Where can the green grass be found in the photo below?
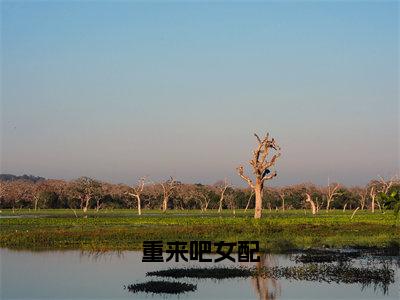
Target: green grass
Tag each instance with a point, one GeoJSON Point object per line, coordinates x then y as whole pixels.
{"type": "Point", "coordinates": [125, 230]}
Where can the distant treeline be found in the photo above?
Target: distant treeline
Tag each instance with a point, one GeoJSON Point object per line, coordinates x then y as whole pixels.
{"type": "Point", "coordinates": [10, 177]}
{"type": "Point", "coordinates": [34, 192]}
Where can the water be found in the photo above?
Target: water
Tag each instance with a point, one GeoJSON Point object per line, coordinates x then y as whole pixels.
{"type": "Point", "coordinates": [77, 275]}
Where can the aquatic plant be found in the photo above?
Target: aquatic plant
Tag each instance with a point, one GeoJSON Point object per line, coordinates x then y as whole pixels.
{"type": "Point", "coordinates": [340, 273]}
{"type": "Point", "coordinates": [209, 273]}
{"type": "Point", "coordinates": [161, 287]}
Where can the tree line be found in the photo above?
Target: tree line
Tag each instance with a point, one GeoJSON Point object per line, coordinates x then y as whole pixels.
{"type": "Point", "coordinates": [87, 193]}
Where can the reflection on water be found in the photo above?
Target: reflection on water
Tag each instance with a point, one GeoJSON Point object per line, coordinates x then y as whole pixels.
{"type": "Point", "coordinates": [266, 288]}
{"type": "Point", "coordinates": [102, 275]}
{"type": "Point", "coordinates": [101, 255]}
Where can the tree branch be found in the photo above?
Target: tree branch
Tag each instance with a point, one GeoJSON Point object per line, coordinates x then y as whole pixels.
{"type": "Point", "coordinates": [241, 174]}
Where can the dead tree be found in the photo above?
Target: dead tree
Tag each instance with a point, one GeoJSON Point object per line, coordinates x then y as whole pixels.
{"type": "Point", "coordinates": [330, 193]}
{"type": "Point", "coordinates": [281, 193]}
{"type": "Point", "coordinates": [222, 186]}
{"type": "Point", "coordinates": [248, 202]}
{"type": "Point", "coordinates": [377, 187]}
{"type": "Point", "coordinates": [362, 193]}
{"type": "Point", "coordinates": [86, 189]}
{"type": "Point", "coordinates": [313, 207]}
{"type": "Point", "coordinates": [372, 194]}
{"type": "Point", "coordinates": [202, 195]}
{"type": "Point", "coordinates": [168, 187]}
{"type": "Point", "coordinates": [386, 185]}
{"type": "Point", "coordinates": [137, 192]}
{"type": "Point", "coordinates": [261, 169]}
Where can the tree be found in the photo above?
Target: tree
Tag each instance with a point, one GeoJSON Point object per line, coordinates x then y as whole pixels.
{"type": "Point", "coordinates": [261, 169]}
{"type": "Point", "coordinates": [391, 201]}
{"type": "Point", "coordinates": [221, 186]}
{"type": "Point", "coordinates": [86, 189]}
{"type": "Point", "coordinates": [203, 196]}
{"type": "Point", "coordinates": [331, 192]}
{"type": "Point", "coordinates": [379, 186]}
{"type": "Point", "coordinates": [362, 193]}
{"type": "Point", "coordinates": [283, 192]}
{"type": "Point", "coordinates": [168, 187]}
{"type": "Point", "coordinates": [248, 201]}
{"type": "Point", "coordinates": [17, 193]}
{"type": "Point", "coordinates": [137, 192]}
{"type": "Point", "coordinates": [313, 207]}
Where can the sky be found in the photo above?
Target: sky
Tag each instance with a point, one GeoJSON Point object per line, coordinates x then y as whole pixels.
{"type": "Point", "coordinates": [120, 89]}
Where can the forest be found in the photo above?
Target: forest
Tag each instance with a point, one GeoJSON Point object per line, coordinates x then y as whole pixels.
{"type": "Point", "coordinates": [31, 192]}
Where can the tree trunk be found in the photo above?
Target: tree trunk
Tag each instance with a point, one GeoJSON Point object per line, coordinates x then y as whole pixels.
{"type": "Point", "coordinates": [248, 202]}
{"type": "Point", "coordinates": [313, 208]}
{"type": "Point", "coordinates": [87, 200]}
{"type": "Point", "coordinates": [165, 204]}
{"type": "Point", "coordinates": [139, 207]}
{"type": "Point", "coordinates": [373, 204]}
{"type": "Point", "coordinates": [221, 199]}
{"type": "Point", "coordinates": [258, 205]}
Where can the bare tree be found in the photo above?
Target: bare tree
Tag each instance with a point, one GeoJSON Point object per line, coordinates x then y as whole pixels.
{"type": "Point", "coordinates": [379, 186]}
{"type": "Point", "coordinates": [261, 169]}
{"type": "Point", "coordinates": [202, 195]}
{"type": "Point", "coordinates": [168, 187]}
{"type": "Point", "coordinates": [313, 207]}
{"type": "Point", "coordinates": [221, 186]}
{"type": "Point", "coordinates": [86, 189]}
{"type": "Point", "coordinates": [362, 193]}
{"type": "Point", "coordinates": [137, 192]}
{"type": "Point", "coordinates": [231, 202]}
{"type": "Point", "coordinates": [283, 192]}
{"type": "Point", "coordinates": [372, 194]}
{"type": "Point", "coordinates": [250, 197]}
{"type": "Point", "coordinates": [331, 192]}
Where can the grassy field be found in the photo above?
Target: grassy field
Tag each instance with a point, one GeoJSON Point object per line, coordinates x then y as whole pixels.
{"type": "Point", "coordinates": [277, 231]}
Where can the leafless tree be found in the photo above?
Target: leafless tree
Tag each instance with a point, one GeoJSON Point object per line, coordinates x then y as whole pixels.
{"type": "Point", "coordinates": [86, 189]}
{"type": "Point", "coordinates": [387, 184]}
{"type": "Point", "coordinates": [380, 186]}
{"type": "Point", "coordinates": [168, 187]}
{"type": "Point", "coordinates": [202, 195]}
{"type": "Point", "coordinates": [283, 192]}
{"type": "Point", "coordinates": [231, 202]}
{"type": "Point", "coordinates": [137, 192]}
{"type": "Point", "coordinates": [362, 193]}
{"type": "Point", "coordinates": [250, 197]}
{"type": "Point", "coordinates": [331, 192]}
{"type": "Point", "coordinates": [222, 187]}
{"type": "Point", "coordinates": [372, 194]}
{"type": "Point", "coordinates": [261, 169]}
{"type": "Point", "coordinates": [313, 207]}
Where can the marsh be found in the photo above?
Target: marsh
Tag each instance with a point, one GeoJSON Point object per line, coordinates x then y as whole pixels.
{"type": "Point", "coordinates": [103, 275]}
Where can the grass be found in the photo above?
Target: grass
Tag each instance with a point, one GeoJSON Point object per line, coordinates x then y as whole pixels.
{"type": "Point", "coordinates": [277, 231]}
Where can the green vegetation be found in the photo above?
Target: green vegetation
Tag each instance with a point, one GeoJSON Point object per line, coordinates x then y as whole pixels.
{"type": "Point", "coordinates": [380, 277]}
{"type": "Point", "coordinates": [391, 201]}
{"type": "Point", "coordinates": [277, 231]}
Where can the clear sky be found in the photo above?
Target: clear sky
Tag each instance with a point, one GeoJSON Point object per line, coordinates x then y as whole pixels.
{"type": "Point", "coordinates": [117, 90]}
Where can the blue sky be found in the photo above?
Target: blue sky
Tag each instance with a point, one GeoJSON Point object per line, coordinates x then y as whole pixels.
{"type": "Point", "coordinates": [117, 90]}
